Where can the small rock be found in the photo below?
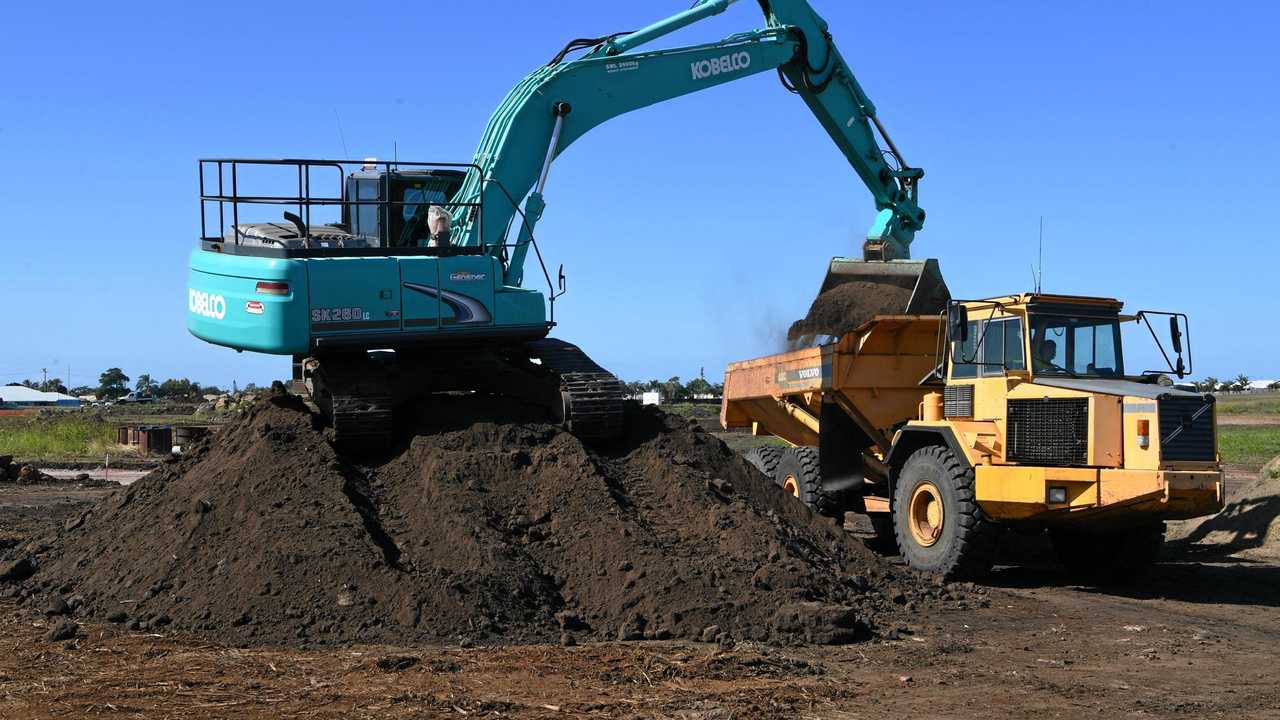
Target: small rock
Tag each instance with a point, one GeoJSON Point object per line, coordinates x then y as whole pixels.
{"type": "Point", "coordinates": [17, 571]}
{"type": "Point", "coordinates": [904, 679]}
{"type": "Point", "coordinates": [567, 640]}
{"type": "Point", "coordinates": [62, 630]}
{"type": "Point", "coordinates": [118, 616]}
{"type": "Point", "coordinates": [57, 606]}
{"type": "Point", "coordinates": [710, 633]}
{"type": "Point", "coordinates": [396, 663]}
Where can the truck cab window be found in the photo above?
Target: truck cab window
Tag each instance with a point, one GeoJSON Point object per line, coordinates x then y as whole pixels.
{"type": "Point", "coordinates": [967, 350]}
{"type": "Point", "coordinates": [1076, 346]}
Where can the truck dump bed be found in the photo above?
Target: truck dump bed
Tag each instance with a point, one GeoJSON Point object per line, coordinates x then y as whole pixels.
{"type": "Point", "coordinates": [872, 374]}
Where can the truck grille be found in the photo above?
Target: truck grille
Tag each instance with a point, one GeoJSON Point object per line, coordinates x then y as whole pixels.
{"type": "Point", "coordinates": [1049, 431]}
{"type": "Point", "coordinates": [1186, 428]}
{"type": "Point", "coordinates": [957, 401]}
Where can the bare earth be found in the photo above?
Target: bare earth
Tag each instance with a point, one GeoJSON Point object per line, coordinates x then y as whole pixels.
{"type": "Point", "coordinates": [1197, 640]}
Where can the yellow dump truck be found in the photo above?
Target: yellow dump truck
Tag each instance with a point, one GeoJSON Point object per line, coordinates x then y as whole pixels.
{"type": "Point", "coordinates": [1013, 412]}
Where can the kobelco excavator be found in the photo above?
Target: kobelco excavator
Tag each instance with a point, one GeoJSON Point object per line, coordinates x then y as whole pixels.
{"type": "Point", "coordinates": [407, 279]}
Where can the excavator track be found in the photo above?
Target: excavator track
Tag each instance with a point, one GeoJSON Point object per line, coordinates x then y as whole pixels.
{"type": "Point", "coordinates": [594, 398]}
{"type": "Point", "coordinates": [356, 399]}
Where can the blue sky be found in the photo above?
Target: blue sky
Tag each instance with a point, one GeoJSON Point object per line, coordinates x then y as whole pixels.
{"type": "Point", "coordinates": [692, 232]}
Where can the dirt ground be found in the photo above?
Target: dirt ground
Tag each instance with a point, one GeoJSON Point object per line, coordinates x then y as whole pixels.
{"type": "Point", "coordinates": [1198, 639]}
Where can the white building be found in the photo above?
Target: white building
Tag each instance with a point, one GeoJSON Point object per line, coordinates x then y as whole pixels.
{"type": "Point", "coordinates": [20, 396]}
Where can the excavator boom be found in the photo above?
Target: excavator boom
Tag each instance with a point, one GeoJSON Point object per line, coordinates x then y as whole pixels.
{"type": "Point", "coordinates": [561, 101]}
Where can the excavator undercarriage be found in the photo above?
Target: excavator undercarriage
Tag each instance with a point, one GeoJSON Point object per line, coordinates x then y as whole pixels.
{"type": "Point", "coordinates": [359, 392]}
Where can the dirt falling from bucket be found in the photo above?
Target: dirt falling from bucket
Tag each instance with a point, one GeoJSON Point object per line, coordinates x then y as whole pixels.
{"type": "Point", "coordinates": [848, 305]}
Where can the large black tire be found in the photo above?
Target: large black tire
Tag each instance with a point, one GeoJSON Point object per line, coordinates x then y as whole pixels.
{"type": "Point", "coordinates": [799, 474]}
{"type": "Point", "coordinates": [765, 459]}
{"type": "Point", "coordinates": [937, 522]}
{"type": "Point", "coordinates": [1109, 556]}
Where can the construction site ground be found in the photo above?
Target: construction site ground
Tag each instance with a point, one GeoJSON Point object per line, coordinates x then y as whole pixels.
{"type": "Point", "coordinates": [1197, 639]}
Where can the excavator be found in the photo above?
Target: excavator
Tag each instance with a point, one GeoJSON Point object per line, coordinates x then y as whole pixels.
{"type": "Point", "coordinates": [416, 285]}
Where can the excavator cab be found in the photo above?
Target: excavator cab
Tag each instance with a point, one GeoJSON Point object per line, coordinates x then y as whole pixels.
{"type": "Point", "coordinates": [390, 209]}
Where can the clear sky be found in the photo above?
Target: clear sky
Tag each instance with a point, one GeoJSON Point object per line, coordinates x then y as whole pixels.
{"type": "Point", "coordinates": [692, 232]}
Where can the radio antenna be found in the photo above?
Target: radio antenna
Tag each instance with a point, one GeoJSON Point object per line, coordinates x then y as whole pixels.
{"type": "Point", "coordinates": [1039, 273]}
{"type": "Point", "coordinates": [346, 155]}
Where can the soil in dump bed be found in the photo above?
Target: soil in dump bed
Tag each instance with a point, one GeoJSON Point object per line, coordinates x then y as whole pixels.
{"type": "Point", "coordinates": [487, 526]}
{"type": "Point", "coordinates": [850, 304]}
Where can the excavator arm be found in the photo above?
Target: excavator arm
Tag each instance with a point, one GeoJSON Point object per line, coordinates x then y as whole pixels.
{"type": "Point", "coordinates": [561, 101]}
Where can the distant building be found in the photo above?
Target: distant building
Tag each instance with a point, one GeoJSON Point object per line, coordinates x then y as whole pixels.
{"type": "Point", "coordinates": [1255, 385]}
{"type": "Point", "coordinates": [652, 397]}
{"type": "Point", "coordinates": [20, 396]}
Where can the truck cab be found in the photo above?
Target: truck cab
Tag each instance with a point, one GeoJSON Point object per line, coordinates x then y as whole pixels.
{"type": "Point", "coordinates": [1040, 402]}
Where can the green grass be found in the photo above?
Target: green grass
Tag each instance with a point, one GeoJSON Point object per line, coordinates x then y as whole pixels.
{"type": "Point", "coordinates": [68, 435]}
{"type": "Point", "coordinates": [744, 442]}
{"type": "Point", "coordinates": [1250, 404]}
{"type": "Point", "coordinates": [1250, 445]}
{"type": "Point", "coordinates": [693, 410]}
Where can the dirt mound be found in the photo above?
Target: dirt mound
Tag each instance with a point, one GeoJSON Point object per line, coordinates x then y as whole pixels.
{"type": "Point", "coordinates": [485, 526]}
{"type": "Point", "coordinates": [1251, 519]}
{"type": "Point", "coordinates": [850, 304]}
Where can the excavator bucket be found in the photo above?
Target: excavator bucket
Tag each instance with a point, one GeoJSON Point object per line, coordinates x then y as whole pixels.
{"type": "Point", "coordinates": [855, 291]}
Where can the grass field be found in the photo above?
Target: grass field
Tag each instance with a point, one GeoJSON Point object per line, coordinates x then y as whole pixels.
{"type": "Point", "coordinates": [62, 436]}
{"type": "Point", "coordinates": [1249, 445]}
{"type": "Point", "coordinates": [1250, 404]}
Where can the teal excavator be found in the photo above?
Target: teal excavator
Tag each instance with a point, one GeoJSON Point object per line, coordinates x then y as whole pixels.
{"type": "Point", "coordinates": [405, 279]}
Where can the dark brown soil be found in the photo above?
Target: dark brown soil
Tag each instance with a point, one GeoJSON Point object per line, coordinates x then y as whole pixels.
{"type": "Point", "coordinates": [850, 304]}
{"type": "Point", "coordinates": [485, 526]}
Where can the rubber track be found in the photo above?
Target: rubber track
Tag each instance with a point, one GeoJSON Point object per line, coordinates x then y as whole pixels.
{"type": "Point", "coordinates": [596, 397]}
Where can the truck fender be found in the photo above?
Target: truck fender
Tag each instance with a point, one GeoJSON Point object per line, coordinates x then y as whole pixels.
{"type": "Point", "coordinates": [912, 438]}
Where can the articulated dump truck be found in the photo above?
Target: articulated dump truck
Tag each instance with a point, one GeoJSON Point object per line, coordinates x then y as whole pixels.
{"type": "Point", "coordinates": [1010, 413]}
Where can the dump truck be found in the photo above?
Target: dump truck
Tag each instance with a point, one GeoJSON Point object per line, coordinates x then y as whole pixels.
{"type": "Point", "coordinates": [1006, 413]}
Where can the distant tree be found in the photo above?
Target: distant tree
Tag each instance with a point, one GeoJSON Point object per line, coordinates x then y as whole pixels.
{"type": "Point", "coordinates": [81, 390]}
{"type": "Point", "coordinates": [698, 386]}
{"type": "Point", "coordinates": [179, 389]}
{"type": "Point", "coordinates": [146, 385]}
{"type": "Point", "coordinates": [673, 390]}
{"type": "Point", "coordinates": [1274, 386]}
{"type": "Point", "coordinates": [1242, 382]}
{"type": "Point", "coordinates": [1208, 384]}
{"type": "Point", "coordinates": [112, 384]}
{"type": "Point", "coordinates": [53, 385]}
{"type": "Point", "coordinates": [250, 388]}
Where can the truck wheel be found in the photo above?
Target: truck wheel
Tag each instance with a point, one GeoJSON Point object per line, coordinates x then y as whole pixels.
{"type": "Point", "coordinates": [936, 521]}
{"type": "Point", "coordinates": [1109, 556]}
{"type": "Point", "coordinates": [765, 459]}
{"type": "Point", "coordinates": [799, 476]}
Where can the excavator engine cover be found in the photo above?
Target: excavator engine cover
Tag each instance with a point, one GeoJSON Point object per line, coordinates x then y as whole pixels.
{"type": "Point", "coordinates": [855, 291]}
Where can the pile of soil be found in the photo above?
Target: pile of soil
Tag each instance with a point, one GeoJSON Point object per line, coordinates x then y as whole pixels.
{"type": "Point", "coordinates": [848, 305]}
{"type": "Point", "coordinates": [486, 525]}
{"type": "Point", "coordinates": [1250, 520]}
